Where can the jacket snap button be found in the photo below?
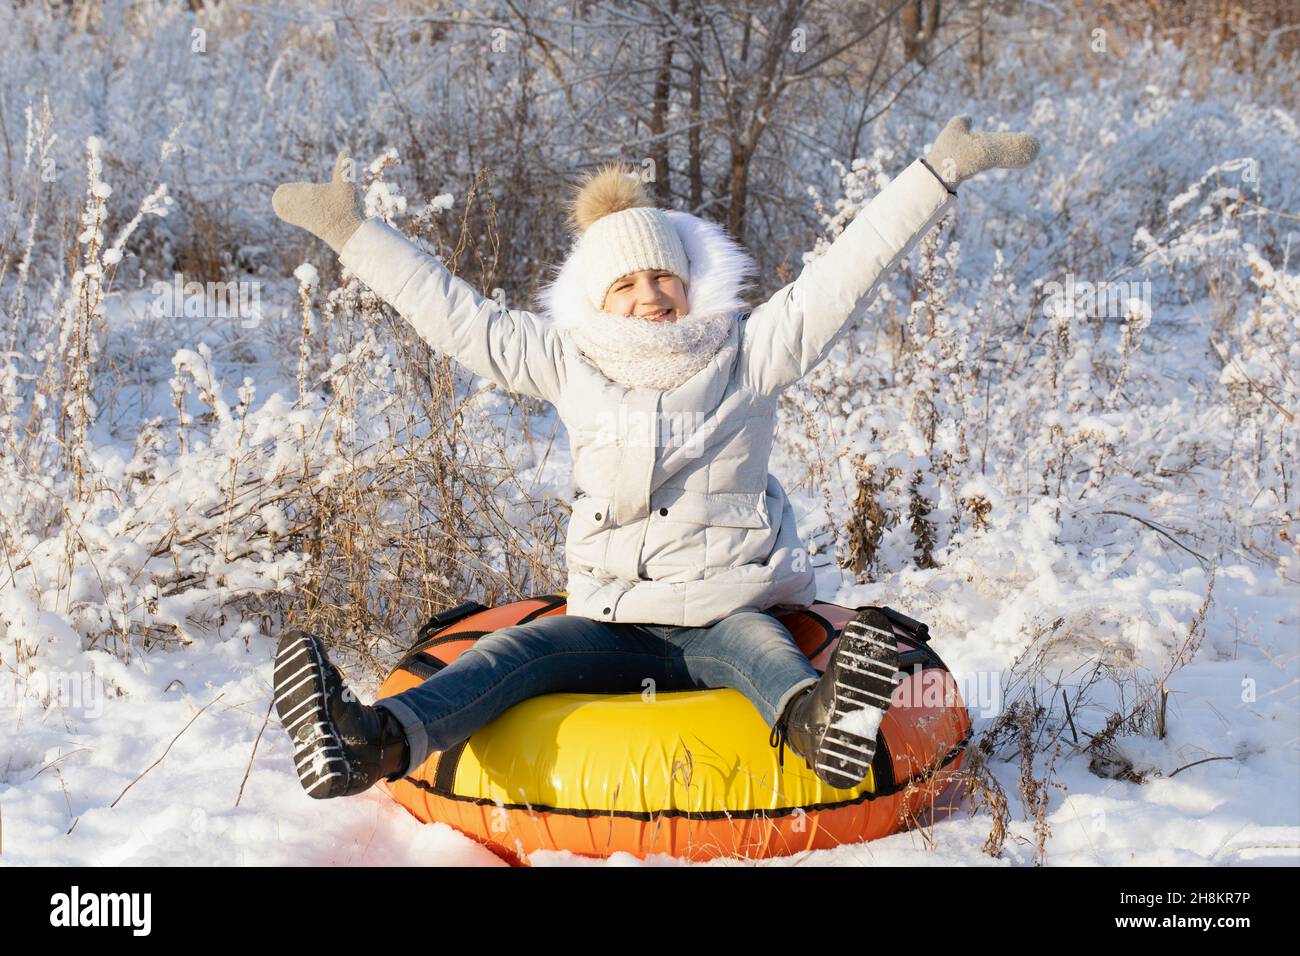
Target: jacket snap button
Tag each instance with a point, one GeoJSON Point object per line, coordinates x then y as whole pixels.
{"type": "Point", "coordinates": [606, 611]}
{"type": "Point", "coordinates": [663, 511]}
{"type": "Point", "coordinates": [597, 515]}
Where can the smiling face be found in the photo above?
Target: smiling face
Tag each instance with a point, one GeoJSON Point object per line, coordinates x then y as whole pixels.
{"type": "Point", "coordinates": [655, 295]}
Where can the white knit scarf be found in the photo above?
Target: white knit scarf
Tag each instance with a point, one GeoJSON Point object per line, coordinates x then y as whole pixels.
{"type": "Point", "coordinates": [639, 353]}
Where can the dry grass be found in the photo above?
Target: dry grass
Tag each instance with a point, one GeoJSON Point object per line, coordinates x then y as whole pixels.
{"type": "Point", "coordinates": [469, 526]}
{"type": "Point", "coordinates": [1050, 716]}
{"type": "Point", "coordinates": [408, 494]}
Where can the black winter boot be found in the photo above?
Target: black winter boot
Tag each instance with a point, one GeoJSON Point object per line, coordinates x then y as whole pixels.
{"type": "Point", "coordinates": [833, 724]}
{"type": "Point", "coordinates": [341, 746]}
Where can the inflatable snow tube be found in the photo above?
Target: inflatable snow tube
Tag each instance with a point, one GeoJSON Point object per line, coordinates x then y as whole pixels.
{"type": "Point", "coordinates": [693, 777]}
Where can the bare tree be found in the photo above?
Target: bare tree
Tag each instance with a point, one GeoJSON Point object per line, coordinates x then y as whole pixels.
{"type": "Point", "coordinates": [744, 72]}
{"type": "Point", "coordinates": [920, 22]}
{"type": "Point", "coordinates": [734, 107]}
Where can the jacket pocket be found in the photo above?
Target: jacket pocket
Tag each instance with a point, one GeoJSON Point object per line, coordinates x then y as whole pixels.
{"type": "Point", "coordinates": [591, 512]}
{"type": "Point", "coordinates": [585, 543]}
{"type": "Point", "coordinates": [728, 509]}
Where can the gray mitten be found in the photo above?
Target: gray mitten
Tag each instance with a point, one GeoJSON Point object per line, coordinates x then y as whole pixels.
{"type": "Point", "coordinates": [959, 154]}
{"type": "Point", "coordinates": [327, 210]}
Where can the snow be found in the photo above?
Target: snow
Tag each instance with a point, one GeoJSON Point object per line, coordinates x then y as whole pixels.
{"type": "Point", "coordinates": [1135, 468]}
{"type": "Point", "coordinates": [864, 722]}
{"type": "Point", "coordinates": [307, 275]}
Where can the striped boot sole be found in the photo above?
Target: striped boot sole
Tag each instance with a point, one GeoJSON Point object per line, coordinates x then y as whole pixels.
{"type": "Point", "coordinates": [867, 657]}
{"type": "Point", "coordinates": [300, 695]}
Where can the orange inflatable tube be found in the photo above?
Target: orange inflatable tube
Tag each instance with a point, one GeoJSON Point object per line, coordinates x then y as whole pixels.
{"type": "Point", "coordinates": [692, 776]}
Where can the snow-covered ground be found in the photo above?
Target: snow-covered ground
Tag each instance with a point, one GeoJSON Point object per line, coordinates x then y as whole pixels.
{"type": "Point", "coordinates": [225, 792]}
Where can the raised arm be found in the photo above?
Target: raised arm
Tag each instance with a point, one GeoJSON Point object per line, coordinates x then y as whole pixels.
{"type": "Point", "coordinates": [790, 333]}
{"type": "Point", "coordinates": [514, 349]}
{"type": "Point", "coordinates": [787, 336]}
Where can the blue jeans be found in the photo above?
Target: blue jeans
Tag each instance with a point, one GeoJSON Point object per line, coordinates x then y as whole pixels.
{"type": "Point", "coordinates": [750, 651]}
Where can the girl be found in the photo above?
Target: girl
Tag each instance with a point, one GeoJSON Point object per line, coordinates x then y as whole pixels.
{"type": "Point", "coordinates": [680, 544]}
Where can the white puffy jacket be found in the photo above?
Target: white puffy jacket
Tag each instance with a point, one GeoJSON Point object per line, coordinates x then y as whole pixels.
{"type": "Point", "coordinates": [677, 520]}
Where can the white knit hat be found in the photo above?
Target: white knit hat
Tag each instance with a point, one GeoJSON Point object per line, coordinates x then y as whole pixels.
{"type": "Point", "coordinates": [622, 233]}
{"type": "Point", "coordinates": [618, 233]}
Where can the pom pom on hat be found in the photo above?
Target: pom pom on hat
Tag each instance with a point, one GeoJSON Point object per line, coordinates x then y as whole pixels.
{"type": "Point", "coordinates": [619, 232]}
{"type": "Point", "coordinates": [610, 189]}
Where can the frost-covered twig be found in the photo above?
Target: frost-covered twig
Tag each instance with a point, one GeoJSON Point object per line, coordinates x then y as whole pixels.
{"type": "Point", "coordinates": [140, 776]}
